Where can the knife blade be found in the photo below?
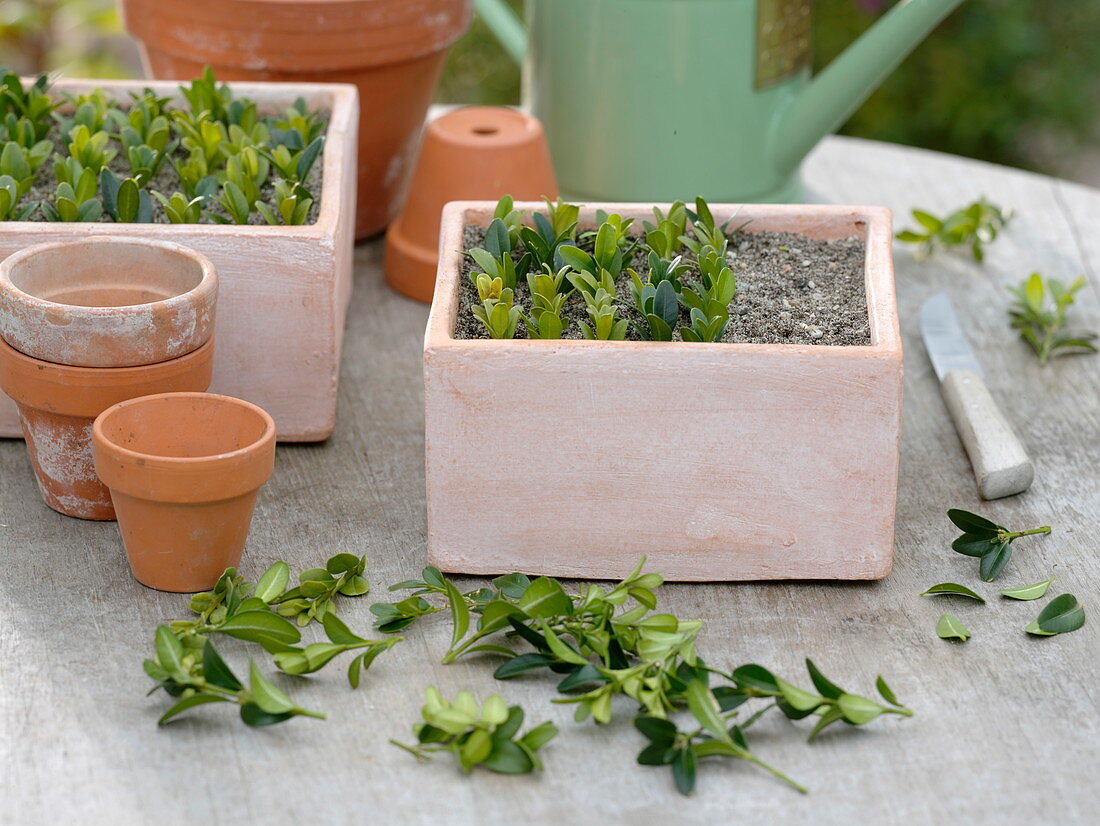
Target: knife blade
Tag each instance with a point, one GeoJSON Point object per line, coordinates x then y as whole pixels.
{"type": "Point", "coordinates": [1001, 464]}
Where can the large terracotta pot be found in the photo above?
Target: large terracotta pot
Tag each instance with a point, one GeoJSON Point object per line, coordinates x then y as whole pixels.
{"type": "Point", "coordinates": [392, 50]}
{"type": "Point", "coordinates": [184, 470]}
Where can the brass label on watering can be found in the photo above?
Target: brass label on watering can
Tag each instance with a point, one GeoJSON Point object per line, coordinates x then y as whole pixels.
{"type": "Point", "coordinates": [783, 45]}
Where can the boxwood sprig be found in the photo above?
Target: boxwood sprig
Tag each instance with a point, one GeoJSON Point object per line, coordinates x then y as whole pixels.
{"type": "Point", "coordinates": [602, 643]}
{"type": "Point", "coordinates": [484, 735]}
{"type": "Point", "coordinates": [989, 542]}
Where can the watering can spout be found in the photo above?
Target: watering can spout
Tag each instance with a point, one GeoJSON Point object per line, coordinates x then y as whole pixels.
{"type": "Point", "coordinates": [835, 93]}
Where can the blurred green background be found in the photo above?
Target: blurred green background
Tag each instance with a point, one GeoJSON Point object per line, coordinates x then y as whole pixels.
{"type": "Point", "coordinates": [1008, 81]}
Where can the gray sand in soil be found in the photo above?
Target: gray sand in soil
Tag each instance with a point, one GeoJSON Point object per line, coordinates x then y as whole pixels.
{"type": "Point", "coordinates": [790, 290]}
{"type": "Point", "coordinates": [166, 182]}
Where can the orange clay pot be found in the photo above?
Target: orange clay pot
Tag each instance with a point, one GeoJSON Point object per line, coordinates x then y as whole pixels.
{"type": "Point", "coordinates": [184, 470]}
{"type": "Point", "coordinates": [474, 153]}
{"type": "Point", "coordinates": [392, 50]}
{"type": "Point", "coordinates": [58, 403]}
{"type": "Point", "coordinates": [107, 302]}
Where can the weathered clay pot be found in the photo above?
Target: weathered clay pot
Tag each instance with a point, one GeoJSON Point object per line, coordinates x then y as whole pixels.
{"type": "Point", "coordinates": [184, 470]}
{"type": "Point", "coordinates": [392, 50]}
{"type": "Point", "coordinates": [107, 302]}
{"type": "Point", "coordinates": [474, 153]}
{"type": "Point", "coordinates": [58, 403]}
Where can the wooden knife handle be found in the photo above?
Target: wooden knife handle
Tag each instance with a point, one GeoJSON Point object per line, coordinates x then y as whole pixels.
{"type": "Point", "coordinates": [1001, 465]}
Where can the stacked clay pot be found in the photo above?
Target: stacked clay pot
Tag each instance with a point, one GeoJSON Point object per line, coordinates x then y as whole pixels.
{"type": "Point", "coordinates": [391, 50]}
{"type": "Point", "coordinates": [85, 325]}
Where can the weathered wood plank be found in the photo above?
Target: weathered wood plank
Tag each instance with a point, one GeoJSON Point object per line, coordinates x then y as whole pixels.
{"type": "Point", "coordinates": [1006, 725]}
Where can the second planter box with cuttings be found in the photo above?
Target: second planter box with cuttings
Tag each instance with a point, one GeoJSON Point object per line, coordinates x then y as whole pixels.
{"type": "Point", "coordinates": [718, 460]}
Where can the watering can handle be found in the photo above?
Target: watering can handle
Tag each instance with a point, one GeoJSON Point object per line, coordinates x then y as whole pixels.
{"type": "Point", "coordinates": [505, 26]}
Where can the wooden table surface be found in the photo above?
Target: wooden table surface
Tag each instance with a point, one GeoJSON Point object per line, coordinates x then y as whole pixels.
{"type": "Point", "coordinates": [1006, 726]}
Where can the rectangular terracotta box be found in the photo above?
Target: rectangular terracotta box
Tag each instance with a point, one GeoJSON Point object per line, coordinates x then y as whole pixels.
{"type": "Point", "coordinates": [283, 291]}
{"type": "Point", "coordinates": [718, 461]}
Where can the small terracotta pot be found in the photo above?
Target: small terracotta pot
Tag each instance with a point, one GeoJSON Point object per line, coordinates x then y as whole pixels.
{"type": "Point", "coordinates": [107, 302]}
{"type": "Point", "coordinates": [392, 50]}
{"type": "Point", "coordinates": [58, 403]}
{"type": "Point", "coordinates": [184, 470]}
{"type": "Point", "coordinates": [474, 153]}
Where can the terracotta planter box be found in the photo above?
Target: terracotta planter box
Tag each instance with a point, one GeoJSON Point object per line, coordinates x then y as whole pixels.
{"type": "Point", "coordinates": [718, 461]}
{"type": "Point", "coordinates": [283, 291]}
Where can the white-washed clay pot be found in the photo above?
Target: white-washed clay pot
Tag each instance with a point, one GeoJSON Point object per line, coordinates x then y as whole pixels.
{"type": "Point", "coordinates": [107, 302]}
{"type": "Point", "coordinates": [718, 461]}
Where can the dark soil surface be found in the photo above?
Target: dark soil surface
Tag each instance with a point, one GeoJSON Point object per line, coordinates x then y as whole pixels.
{"type": "Point", "coordinates": [790, 290]}
{"type": "Point", "coordinates": [166, 182]}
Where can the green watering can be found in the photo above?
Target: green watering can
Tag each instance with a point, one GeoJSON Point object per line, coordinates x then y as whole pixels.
{"type": "Point", "coordinates": [654, 100]}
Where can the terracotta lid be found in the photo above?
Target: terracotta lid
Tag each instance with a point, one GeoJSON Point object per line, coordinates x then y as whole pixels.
{"type": "Point", "coordinates": [472, 153]}
{"type": "Point", "coordinates": [304, 36]}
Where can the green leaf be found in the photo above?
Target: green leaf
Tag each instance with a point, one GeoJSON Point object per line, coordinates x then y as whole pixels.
{"type": "Point", "coordinates": [683, 771]}
{"type": "Point", "coordinates": [545, 598]}
{"type": "Point", "coordinates": [728, 697]}
{"type": "Point", "coordinates": [189, 702]}
{"type": "Point", "coordinates": [128, 201]}
{"type": "Point", "coordinates": [337, 631]}
{"type": "Point", "coordinates": [972, 523]}
{"type": "Point", "coordinates": [757, 677]}
{"type": "Point", "coordinates": [995, 561]}
{"type": "Point", "coordinates": [704, 708]}
{"type": "Point", "coordinates": [253, 715]}
{"type": "Point", "coordinates": [886, 692]}
{"type": "Point", "coordinates": [1061, 615]}
{"type": "Point", "coordinates": [657, 730]}
{"type": "Point", "coordinates": [508, 758]}
{"type": "Point", "coordinates": [1028, 592]}
{"type": "Point", "coordinates": [562, 650]}
{"type": "Point", "coordinates": [259, 626]}
{"type": "Point", "coordinates": [355, 586]}
{"type": "Point", "coordinates": [512, 585]}
{"type": "Point", "coordinates": [273, 582]}
{"type": "Point", "coordinates": [215, 670]}
{"type": "Point", "coordinates": [460, 613]}
{"type": "Point", "coordinates": [341, 562]}
{"type": "Point", "coordinates": [497, 241]}
{"type": "Point", "coordinates": [169, 650]}
{"type": "Point", "coordinates": [831, 716]}
{"type": "Point", "coordinates": [799, 699]}
{"type": "Point", "coordinates": [928, 221]}
{"type": "Point", "coordinates": [522, 663]}
{"type": "Point", "coordinates": [539, 736]}
{"type": "Point", "coordinates": [974, 545]}
{"type": "Point", "coordinates": [821, 683]}
{"type": "Point", "coordinates": [858, 710]}
{"type": "Point", "coordinates": [267, 696]}
{"type": "Point", "coordinates": [949, 628]}
{"type": "Point", "coordinates": [952, 588]}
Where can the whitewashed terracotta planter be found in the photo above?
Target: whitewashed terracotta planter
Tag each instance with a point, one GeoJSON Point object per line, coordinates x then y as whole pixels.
{"type": "Point", "coordinates": [718, 461]}
{"type": "Point", "coordinates": [283, 291]}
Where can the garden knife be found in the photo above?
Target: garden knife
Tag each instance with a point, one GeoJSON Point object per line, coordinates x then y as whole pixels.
{"type": "Point", "coordinates": [1001, 465]}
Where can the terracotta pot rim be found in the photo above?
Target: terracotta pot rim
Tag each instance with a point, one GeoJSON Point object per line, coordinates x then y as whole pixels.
{"type": "Point", "coordinates": [85, 391]}
{"type": "Point", "coordinates": [71, 375]}
{"type": "Point", "coordinates": [286, 35]}
{"type": "Point", "coordinates": [205, 291]}
{"type": "Point", "coordinates": [185, 463]}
